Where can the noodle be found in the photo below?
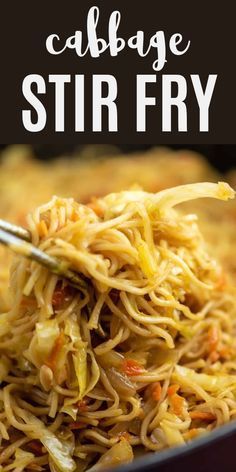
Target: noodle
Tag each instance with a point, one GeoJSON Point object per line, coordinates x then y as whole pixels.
{"type": "Point", "coordinates": [145, 356]}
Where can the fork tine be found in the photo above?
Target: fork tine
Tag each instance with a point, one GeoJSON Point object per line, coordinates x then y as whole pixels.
{"type": "Point", "coordinates": [54, 265]}
{"type": "Point", "coordinates": [15, 230]}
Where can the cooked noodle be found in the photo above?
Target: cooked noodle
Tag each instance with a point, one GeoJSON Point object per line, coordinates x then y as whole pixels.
{"type": "Point", "coordinates": [142, 357]}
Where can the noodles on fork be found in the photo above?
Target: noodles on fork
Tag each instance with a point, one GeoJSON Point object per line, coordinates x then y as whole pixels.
{"type": "Point", "coordinates": [144, 357]}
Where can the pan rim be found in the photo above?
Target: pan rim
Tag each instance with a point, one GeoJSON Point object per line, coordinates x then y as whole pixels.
{"type": "Point", "coordinates": [142, 464]}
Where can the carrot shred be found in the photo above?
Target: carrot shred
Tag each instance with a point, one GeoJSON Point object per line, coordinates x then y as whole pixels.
{"type": "Point", "coordinates": [76, 425]}
{"type": "Point", "coordinates": [156, 391]}
{"type": "Point", "coordinates": [192, 433]}
{"type": "Point", "coordinates": [202, 415]}
{"type": "Point", "coordinates": [125, 435]}
{"type": "Point", "coordinates": [94, 205]}
{"type": "Point", "coordinates": [214, 356]}
{"type": "Point", "coordinates": [177, 404]}
{"type": "Point", "coordinates": [74, 217]}
{"type": "Point", "coordinates": [213, 338]}
{"type": "Point", "coordinates": [132, 368]}
{"type": "Point", "coordinates": [42, 228]}
{"type": "Point", "coordinates": [173, 389]}
{"type": "Point", "coordinates": [52, 359]}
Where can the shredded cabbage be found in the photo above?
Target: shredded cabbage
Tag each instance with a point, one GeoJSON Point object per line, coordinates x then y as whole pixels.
{"type": "Point", "coordinates": [120, 453]}
{"type": "Point", "coordinates": [72, 330]}
{"type": "Point", "coordinates": [70, 410]}
{"type": "Point", "coordinates": [173, 436]}
{"type": "Point", "coordinates": [80, 357]}
{"type": "Point", "coordinates": [210, 383]}
{"type": "Point", "coordinates": [147, 262]}
{"type": "Point", "coordinates": [95, 373]}
{"type": "Point", "coordinates": [103, 365]}
{"type": "Point", "coordinates": [80, 365]}
{"type": "Point", "coordinates": [59, 452]}
{"type": "Point", "coordinates": [171, 197]}
{"type": "Point", "coordinates": [22, 459]}
{"type": "Point", "coordinates": [46, 332]}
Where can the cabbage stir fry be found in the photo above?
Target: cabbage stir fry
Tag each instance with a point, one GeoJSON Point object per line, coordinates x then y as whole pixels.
{"type": "Point", "coordinates": [141, 358]}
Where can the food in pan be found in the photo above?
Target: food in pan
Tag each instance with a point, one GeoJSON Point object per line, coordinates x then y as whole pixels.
{"type": "Point", "coordinates": [140, 357]}
{"type": "Point", "coordinates": [26, 182]}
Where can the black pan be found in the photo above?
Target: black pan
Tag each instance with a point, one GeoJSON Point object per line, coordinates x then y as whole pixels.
{"type": "Point", "coordinates": [215, 452]}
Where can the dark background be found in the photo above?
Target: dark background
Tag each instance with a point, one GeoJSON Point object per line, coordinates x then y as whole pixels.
{"type": "Point", "coordinates": [210, 26]}
{"type": "Point", "coordinates": [221, 156]}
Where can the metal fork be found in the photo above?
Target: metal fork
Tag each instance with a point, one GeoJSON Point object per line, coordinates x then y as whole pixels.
{"type": "Point", "coordinates": [19, 240]}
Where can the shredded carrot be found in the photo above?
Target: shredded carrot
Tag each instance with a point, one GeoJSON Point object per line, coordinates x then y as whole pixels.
{"type": "Point", "coordinates": [83, 405]}
{"type": "Point", "coordinates": [214, 356]}
{"type": "Point", "coordinates": [192, 433]}
{"type": "Point", "coordinates": [52, 359]}
{"type": "Point", "coordinates": [202, 415]}
{"type": "Point", "coordinates": [213, 338]}
{"type": "Point", "coordinates": [177, 404]}
{"type": "Point", "coordinates": [36, 447]}
{"type": "Point", "coordinates": [94, 205]}
{"type": "Point", "coordinates": [125, 435]}
{"type": "Point", "coordinates": [156, 391]}
{"type": "Point", "coordinates": [42, 228]}
{"type": "Point", "coordinates": [74, 217]}
{"type": "Point", "coordinates": [173, 389]}
{"type": "Point", "coordinates": [76, 425]}
{"type": "Point", "coordinates": [132, 368]}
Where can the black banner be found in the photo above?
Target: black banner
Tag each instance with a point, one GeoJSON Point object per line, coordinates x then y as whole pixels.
{"type": "Point", "coordinates": [117, 71]}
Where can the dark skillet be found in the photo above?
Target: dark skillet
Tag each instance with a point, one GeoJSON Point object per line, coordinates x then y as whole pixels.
{"type": "Point", "coordinates": [215, 452]}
